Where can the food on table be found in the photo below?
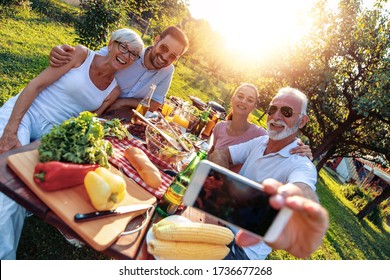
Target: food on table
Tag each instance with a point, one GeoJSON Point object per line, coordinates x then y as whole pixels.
{"type": "Point", "coordinates": [148, 172]}
{"type": "Point", "coordinates": [76, 140]}
{"type": "Point", "coordinates": [160, 147]}
{"type": "Point", "coordinates": [137, 130]}
{"type": "Point", "coordinates": [195, 232]}
{"type": "Point", "coordinates": [192, 137]}
{"type": "Point", "coordinates": [181, 241]}
{"type": "Point", "coordinates": [175, 250]}
{"type": "Point", "coordinates": [56, 175]}
{"type": "Point", "coordinates": [115, 128]}
{"type": "Point", "coordinates": [105, 189]}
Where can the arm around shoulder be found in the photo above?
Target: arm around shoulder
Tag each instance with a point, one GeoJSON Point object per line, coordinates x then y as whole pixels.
{"type": "Point", "coordinates": [221, 157]}
{"type": "Point", "coordinates": [60, 55]}
{"type": "Point", "coordinates": [79, 55]}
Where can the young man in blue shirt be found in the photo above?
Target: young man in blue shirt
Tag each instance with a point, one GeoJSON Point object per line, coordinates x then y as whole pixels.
{"type": "Point", "coordinates": [155, 66]}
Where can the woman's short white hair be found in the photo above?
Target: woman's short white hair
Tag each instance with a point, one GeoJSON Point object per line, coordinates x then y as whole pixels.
{"type": "Point", "coordinates": [297, 93]}
{"type": "Point", "coordinates": [126, 35]}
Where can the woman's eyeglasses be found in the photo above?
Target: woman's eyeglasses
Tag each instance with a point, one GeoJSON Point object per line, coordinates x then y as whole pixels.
{"type": "Point", "coordinates": [285, 110]}
{"type": "Point", "coordinates": [123, 49]}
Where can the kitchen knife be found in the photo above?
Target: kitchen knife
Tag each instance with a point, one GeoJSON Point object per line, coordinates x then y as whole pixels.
{"type": "Point", "coordinates": [82, 217]}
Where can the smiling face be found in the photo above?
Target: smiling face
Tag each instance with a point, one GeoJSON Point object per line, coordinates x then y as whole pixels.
{"type": "Point", "coordinates": [164, 52]}
{"type": "Point", "coordinates": [278, 125]}
{"type": "Point", "coordinates": [244, 101]}
{"type": "Point", "coordinates": [122, 54]}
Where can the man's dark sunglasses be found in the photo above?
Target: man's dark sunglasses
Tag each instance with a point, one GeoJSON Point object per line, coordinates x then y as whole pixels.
{"type": "Point", "coordinates": [285, 110]}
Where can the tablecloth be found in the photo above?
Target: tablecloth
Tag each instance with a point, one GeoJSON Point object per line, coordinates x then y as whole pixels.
{"type": "Point", "coordinates": [122, 164]}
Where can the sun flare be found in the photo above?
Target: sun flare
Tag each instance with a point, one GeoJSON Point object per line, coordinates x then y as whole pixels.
{"type": "Point", "coordinates": [254, 28]}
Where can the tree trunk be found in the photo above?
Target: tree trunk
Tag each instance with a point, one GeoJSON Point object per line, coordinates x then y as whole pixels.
{"type": "Point", "coordinates": [259, 119]}
{"type": "Point", "coordinates": [334, 137]}
{"type": "Point", "coordinates": [145, 30]}
{"type": "Point", "coordinates": [322, 162]}
{"type": "Point", "coordinates": [371, 205]}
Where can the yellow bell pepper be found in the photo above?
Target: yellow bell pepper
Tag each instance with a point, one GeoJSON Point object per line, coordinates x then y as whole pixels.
{"type": "Point", "coordinates": [105, 189]}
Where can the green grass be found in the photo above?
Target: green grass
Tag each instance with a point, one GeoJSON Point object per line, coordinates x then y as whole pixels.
{"type": "Point", "coordinates": [348, 238]}
{"type": "Point", "coordinates": [187, 81]}
{"type": "Point", "coordinates": [25, 41]}
{"type": "Point", "coordinates": [353, 238]}
{"type": "Point", "coordinates": [40, 241]}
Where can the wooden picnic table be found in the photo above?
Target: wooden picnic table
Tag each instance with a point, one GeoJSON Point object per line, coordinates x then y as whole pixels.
{"type": "Point", "coordinates": [126, 247]}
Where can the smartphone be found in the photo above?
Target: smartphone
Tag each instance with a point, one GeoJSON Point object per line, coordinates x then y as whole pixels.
{"type": "Point", "coordinates": [236, 200]}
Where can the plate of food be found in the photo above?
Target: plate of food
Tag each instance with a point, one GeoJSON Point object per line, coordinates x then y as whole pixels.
{"type": "Point", "coordinates": [173, 219]}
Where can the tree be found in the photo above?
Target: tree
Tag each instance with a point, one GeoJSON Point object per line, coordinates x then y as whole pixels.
{"type": "Point", "coordinates": [98, 19]}
{"type": "Point", "coordinates": [344, 67]}
{"type": "Point", "coordinates": [207, 53]}
{"type": "Point", "coordinates": [199, 33]}
{"type": "Point", "coordinates": [374, 203]}
{"type": "Point", "coordinates": [160, 13]}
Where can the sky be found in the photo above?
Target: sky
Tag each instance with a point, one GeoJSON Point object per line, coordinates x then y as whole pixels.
{"type": "Point", "coordinates": [257, 26]}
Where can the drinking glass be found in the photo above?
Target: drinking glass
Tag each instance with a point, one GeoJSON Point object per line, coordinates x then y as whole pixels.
{"type": "Point", "coordinates": [167, 108]}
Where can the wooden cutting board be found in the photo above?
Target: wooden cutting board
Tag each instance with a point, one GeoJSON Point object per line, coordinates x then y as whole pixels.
{"type": "Point", "coordinates": [99, 233]}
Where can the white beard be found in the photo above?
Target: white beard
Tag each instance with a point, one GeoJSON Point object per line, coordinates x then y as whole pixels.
{"type": "Point", "coordinates": [286, 132]}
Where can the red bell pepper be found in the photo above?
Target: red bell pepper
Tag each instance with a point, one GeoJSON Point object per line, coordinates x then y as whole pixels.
{"type": "Point", "coordinates": [56, 175]}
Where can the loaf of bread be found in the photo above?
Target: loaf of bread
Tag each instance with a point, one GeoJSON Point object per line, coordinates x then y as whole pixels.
{"type": "Point", "coordinates": [145, 168]}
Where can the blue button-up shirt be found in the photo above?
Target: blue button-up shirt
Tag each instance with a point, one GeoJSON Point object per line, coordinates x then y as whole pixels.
{"type": "Point", "coordinates": [135, 80]}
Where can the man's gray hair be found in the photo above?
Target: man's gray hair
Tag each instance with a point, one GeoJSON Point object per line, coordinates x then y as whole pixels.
{"type": "Point", "coordinates": [297, 93]}
{"type": "Point", "coordinates": [126, 35]}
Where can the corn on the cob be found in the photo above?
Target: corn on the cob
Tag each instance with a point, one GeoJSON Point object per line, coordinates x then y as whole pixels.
{"type": "Point", "coordinates": [193, 232]}
{"type": "Point", "coordinates": [174, 250]}
{"type": "Point", "coordinates": [163, 223]}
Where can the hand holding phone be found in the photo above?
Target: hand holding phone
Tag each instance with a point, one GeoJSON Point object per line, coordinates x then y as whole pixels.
{"type": "Point", "coordinates": [236, 200]}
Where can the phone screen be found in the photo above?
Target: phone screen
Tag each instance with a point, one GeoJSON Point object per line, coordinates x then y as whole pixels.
{"type": "Point", "coordinates": [236, 202]}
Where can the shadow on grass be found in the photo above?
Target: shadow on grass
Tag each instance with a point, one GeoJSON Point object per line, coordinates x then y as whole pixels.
{"type": "Point", "coordinates": [57, 11]}
{"type": "Point", "coordinates": [345, 231]}
{"type": "Point", "coordinates": [17, 70]}
{"type": "Point", "coordinates": [60, 12]}
{"type": "Point", "coordinates": [40, 241]}
{"type": "Point", "coordinates": [20, 65]}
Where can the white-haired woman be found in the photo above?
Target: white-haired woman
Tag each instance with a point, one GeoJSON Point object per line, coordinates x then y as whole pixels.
{"type": "Point", "coordinates": [87, 83]}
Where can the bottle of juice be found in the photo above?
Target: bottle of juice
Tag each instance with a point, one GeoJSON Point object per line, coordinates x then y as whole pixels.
{"type": "Point", "coordinates": [210, 125]}
{"type": "Point", "coordinates": [202, 123]}
{"type": "Point", "coordinates": [144, 105]}
{"type": "Point", "coordinates": [180, 115]}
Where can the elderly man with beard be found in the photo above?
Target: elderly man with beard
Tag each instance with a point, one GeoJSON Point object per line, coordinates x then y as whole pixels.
{"type": "Point", "coordinates": [289, 178]}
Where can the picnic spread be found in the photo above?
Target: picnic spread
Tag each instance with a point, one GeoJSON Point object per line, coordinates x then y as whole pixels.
{"type": "Point", "coordinates": [114, 166]}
